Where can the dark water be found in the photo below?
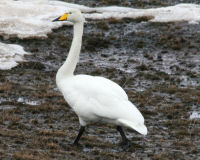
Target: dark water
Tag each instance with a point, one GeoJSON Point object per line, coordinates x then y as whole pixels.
{"type": "Point", "coordinates": [156, 63]}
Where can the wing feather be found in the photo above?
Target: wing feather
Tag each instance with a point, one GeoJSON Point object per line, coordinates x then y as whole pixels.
{"type": "Point", "coordinates": [97, 96]}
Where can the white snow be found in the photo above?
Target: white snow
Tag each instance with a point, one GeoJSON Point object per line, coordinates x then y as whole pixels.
{"type": "Point", "coordinates": [26, 19]}
{"type": "Point", "coordinates": [195, 115]}
{"type": "Point", "coordinates": [33, 19]}
{"type": "Point", "coordinates": [10, 54]}
{"type": "Point", "coordinates": [26, 101]}
{"type": "Point", "coordinates": [180, 12]}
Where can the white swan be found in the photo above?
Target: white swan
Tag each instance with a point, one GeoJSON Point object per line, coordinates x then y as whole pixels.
{"type": "Point", "coordinates": [94, 98]}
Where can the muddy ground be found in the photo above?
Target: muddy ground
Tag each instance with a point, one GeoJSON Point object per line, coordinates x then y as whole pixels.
{"type": "Point", "coordinates": [156, 63]}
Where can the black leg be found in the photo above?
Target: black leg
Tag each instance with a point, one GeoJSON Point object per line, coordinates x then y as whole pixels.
{"type": "Point", "coordinates": [81, 130]}
{"type": "Point", "coordinates": [126, 143]}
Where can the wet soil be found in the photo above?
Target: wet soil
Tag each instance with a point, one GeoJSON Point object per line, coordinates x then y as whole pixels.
{"type": "Point", "coordinates": [156, 63]}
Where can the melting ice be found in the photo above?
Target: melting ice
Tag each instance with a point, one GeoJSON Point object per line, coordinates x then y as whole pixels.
{"type": "Point", "coordinates": [10, 54]}
{"type": "Point", "coordinates": [28, 19]}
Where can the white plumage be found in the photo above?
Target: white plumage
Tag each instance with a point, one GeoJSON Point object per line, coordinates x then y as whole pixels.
{"type": "Point", "coordinates": [99, 99]}
{"type": "Point", "coordinates": [94, 98]}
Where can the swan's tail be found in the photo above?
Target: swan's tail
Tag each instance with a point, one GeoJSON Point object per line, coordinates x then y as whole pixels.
{"type": "Point", "coordinates": [141, 128]}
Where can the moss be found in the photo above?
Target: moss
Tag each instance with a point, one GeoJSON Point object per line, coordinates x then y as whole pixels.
{"type": "Point", "coordinates": [171, 89]}
{"type": "Point", "coordinates": [96, 42]}
{"type": "Point", "coordinates": [41, 108]}
{"type": "Point", "coordinates": [31, 65]}
{"type": "Point", "coordinates": [110, 2]}
{"type": "Point", "coordinates": [151, 76]}
{"type": "Point", "coordinates": [115, 21]}
{"type": "Point", "coordinates": [148, 56]}
{"type": "Point", "coordinates": [142, 67]}
{"type": "Point", "coordinates": [140, 44]}
{"type": "Point", "coordinates": [103, 25]}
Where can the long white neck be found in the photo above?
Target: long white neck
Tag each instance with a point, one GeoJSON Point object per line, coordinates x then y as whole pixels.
{"type": "Point", "coordinates": [67, 69]}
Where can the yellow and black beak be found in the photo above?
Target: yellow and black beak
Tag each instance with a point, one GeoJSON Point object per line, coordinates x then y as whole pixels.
{"type": "Point", "coordinates": [61, 18]}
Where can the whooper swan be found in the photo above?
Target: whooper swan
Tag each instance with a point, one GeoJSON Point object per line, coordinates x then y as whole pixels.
{"type": "Point", "coordinates": [93, 98]}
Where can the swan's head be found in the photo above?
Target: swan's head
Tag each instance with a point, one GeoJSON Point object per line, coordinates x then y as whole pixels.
{"type": "Point", "coordinates": [74, 16]}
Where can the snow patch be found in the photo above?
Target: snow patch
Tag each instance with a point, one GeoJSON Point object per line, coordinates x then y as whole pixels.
{"type": "Point", "coordinates": [195, 115]}
{"type": "Point", "coordinates": [26, 19]}
{"type": "Point", "coordinates": [10, 54]}
{"type": "Point", "coordinates": [26, 101]}
{"type": "Point", "coordinates": [180, 12]}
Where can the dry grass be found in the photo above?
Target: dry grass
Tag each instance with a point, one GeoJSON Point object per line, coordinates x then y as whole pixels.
{"type": "Point", "coordinates": [29, 155]}
{"type": "Point", "coordinates": [51, 133]}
